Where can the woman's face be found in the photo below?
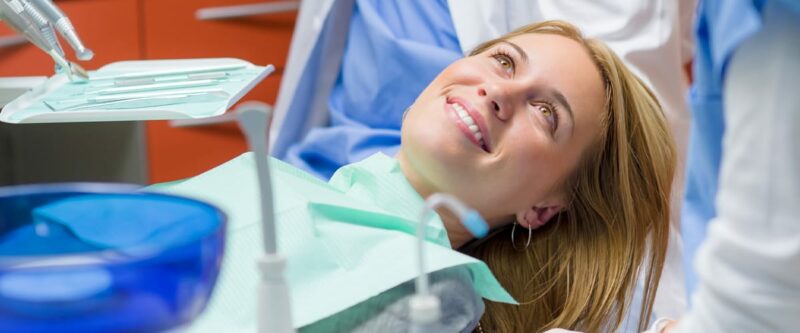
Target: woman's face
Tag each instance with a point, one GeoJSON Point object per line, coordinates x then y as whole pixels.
{"type": "Point", "coordinates": [504, 129]}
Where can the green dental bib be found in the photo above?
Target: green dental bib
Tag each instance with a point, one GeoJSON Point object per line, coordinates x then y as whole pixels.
{"type": "Point", "coordinates": [345, 241]}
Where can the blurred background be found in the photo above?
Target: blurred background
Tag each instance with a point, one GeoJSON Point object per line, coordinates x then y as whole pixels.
{"type": "Point", "coordinates": [153, 151]}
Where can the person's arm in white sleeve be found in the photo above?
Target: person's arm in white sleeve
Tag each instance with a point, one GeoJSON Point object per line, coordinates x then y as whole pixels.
{"type": "Point", "coordinates": [749, 263]}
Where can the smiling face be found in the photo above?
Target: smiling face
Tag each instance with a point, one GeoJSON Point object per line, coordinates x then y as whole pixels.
{"type": "Point", "coordinates": [504, 129]}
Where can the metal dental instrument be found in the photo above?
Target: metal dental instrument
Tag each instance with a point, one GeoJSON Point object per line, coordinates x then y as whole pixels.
{"type": "Point", "coordinates": [18, 18]}
{"type": "Point", "coordinates": [44, 26]}
{"type": "Point", "coordinates": [160, 86]}
{"type": "Point", "coordinates": [13, 13]}
{"type": "Point", "coordinates": [64, 26]}
{"type": "Point", "coordinates": [148, 102]}
{"type": "Point", "coordinates": [171, 72]}
{"type": "Point", "coordinates": [48, 35]}
{"type": "Point", "coordinates": [150, 94]}
{"type": "Point", "coordinates": [102, 100]}
{"type": "Point", "coordinates": [164, 79]}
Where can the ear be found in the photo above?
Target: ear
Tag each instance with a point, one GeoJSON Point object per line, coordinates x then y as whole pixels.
{"type": "Point", "coordinates": [537, 216]}
{"type": "Point", "coordinates": [545, 214]}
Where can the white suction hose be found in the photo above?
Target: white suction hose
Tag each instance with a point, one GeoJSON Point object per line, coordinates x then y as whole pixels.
{"type": "Point", "coordinates": [274, 306]}
{"type": "Point", "coordinates": [425, 308]}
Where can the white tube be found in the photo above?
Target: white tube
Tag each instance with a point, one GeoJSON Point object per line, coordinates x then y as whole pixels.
{"type": "Point", "coordinates": [253, 118]}
{"type": "Point", "coordinates": [424, 308]}
{"type": "Point", "coordinates": [274, 305]}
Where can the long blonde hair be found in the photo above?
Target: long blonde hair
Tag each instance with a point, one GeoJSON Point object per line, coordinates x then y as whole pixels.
{"type": "Point", "coordinates": [581, 269]}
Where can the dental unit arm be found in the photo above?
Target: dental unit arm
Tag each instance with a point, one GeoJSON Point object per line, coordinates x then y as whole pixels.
{"type": "Point", "coordinates": [37, 20]}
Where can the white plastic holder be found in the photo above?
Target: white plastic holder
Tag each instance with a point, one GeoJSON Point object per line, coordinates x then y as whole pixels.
{"type": "Point", "coordinates": [274, 305]}
{"type": "Point", "coordinates": [424, 311]}
{"type": "Point", "coordinates": [274, 313]}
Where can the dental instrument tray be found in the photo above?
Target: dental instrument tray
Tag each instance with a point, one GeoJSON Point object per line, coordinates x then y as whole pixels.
{"type": "Point", "coordinates": [140, 90]}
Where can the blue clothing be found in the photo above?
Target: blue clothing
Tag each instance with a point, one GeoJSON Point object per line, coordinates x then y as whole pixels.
{"type": "Point", "coordinates": [721, 26]}
{"type": "Point", "coordinates": [394, 49]}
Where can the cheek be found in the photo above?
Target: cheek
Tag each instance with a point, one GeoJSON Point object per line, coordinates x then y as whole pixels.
{"type": "Point", "coordinates": [465, 71]}
{"type": "Point", "coordinates": [427, 138]}
{"type": "Point", "coordinates": [532, 166]}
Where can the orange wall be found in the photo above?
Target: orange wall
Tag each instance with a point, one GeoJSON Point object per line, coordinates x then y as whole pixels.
{"type": "Point", "coordinates": [171, 31]}
{"type": "Point", "coordinates": [109, 27]}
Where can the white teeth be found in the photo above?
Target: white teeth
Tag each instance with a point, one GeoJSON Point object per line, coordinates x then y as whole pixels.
{"type": "Point", "coordinates": [470, 122]}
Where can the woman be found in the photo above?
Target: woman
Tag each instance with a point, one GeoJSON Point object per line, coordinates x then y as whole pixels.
{"type": "Point", "coordinates": [540, 129]}
{"type": "Point", "coordinates": [547, 130]}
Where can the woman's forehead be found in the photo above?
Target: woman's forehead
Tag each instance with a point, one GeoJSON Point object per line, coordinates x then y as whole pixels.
{"type": "Point", "coordinates": [555, 53]}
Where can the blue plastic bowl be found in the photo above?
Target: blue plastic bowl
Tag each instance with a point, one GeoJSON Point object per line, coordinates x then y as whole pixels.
{"type": "Point", "coordinates": [104, 258]}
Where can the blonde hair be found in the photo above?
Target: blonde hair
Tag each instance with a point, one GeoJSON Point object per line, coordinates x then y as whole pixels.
{"type": "Point", "coordinates": [581, 269]}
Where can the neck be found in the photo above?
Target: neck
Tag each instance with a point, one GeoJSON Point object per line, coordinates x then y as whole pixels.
{"type": "Point", "coordinates": [456, 231]}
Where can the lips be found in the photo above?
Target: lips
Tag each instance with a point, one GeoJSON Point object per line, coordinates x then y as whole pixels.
{"type": "Point", "coordinates": [470, 122]}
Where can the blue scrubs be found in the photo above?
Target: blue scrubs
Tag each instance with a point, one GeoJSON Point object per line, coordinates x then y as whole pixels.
{"type": "Point", "coordinates": [394, 49]}
{"type": "Point", "coordinates": [721, 26]}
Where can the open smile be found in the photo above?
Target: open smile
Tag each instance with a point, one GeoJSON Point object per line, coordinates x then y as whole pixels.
{"type": "Point", "coordinates": [469, 121]}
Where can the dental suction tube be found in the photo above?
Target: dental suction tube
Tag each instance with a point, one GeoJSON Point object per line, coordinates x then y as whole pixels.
{"type": "Point", "coordinates": [254, 118]}
{"type": "Point", "coordinates": [274, 304]}
{"type": "Point", "coordinates": [64, 26]}
{"type": "Point", "coordinates": [424, 307]}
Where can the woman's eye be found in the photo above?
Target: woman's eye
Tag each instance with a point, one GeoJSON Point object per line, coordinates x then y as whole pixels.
{"type": "Point", "coordinates": [549, 114]}
{"type": "Point", "coordinates": [506, 62]}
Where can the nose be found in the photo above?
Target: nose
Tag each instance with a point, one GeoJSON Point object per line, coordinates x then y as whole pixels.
{"type": "Point", "coordinates": [496, 99]}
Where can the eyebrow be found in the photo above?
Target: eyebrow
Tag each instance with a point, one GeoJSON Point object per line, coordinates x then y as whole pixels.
{"type": "Point", "coordinates": [521, 52]}
{"type": "Point", "coordinates": [563, 101]}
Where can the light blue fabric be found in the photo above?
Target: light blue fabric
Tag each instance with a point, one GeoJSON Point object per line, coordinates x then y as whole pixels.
{"type": "Point", "coordinates": [301, 107]}
{"type": "Point", "coordinates": [721, 26]}
{"type": "Point", "coordinates": [394, 49]}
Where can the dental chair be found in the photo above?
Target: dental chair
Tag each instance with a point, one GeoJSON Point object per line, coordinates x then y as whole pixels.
{"type": "Point", "coordinates": [355, 65]}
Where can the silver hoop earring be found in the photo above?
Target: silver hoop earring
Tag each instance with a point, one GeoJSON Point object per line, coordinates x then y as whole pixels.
{"type": "Point", "coordinates": [513, 240]}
